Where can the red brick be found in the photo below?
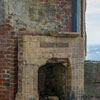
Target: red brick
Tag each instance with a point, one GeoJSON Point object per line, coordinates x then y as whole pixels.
{"type": "Point", "coordinates": [22, 29]}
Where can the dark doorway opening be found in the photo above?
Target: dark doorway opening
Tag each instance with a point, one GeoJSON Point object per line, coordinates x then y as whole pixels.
{"type": "Point", "coordinates": [52, 82]}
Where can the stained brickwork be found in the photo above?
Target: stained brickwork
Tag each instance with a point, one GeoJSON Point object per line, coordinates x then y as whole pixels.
{"type": "Point", "coordinates": [8, 67]}
{"type": "Point", "coordinates": [39, 16]}
{"type": "Point", "coordinates": [55, 12]}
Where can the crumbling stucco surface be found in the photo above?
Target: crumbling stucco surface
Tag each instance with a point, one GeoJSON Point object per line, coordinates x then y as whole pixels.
{"type": "Point", "coordinates": [41, 16]}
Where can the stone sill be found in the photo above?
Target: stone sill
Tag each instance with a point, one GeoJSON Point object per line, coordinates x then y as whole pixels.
{"type": "Point", "coordinates": [67, 34]}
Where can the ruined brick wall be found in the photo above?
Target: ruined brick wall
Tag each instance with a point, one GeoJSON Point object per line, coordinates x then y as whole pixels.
{"type": "Point", "coordinates": [8, 57]}
{"type": "Point", "coordinates": [19, 18]}
{"type": "Point", "coordinates": [8, 62]}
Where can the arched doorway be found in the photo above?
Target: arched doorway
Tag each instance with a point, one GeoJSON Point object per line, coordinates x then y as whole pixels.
{"type": "Point", "coordinates": [53, 82]}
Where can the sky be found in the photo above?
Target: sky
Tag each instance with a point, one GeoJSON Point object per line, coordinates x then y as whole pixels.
{"type": "Point", "coordinates": [93, 22]}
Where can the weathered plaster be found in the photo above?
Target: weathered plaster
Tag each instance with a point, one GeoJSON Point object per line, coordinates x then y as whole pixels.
{"type": "Point", "coordinates": [38, 16]}
{"type": "Point", "coordinates": [2, 12]}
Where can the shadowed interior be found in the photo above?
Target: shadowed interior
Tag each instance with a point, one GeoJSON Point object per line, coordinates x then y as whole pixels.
{"type": "Point", "coordinates": [53, 82]}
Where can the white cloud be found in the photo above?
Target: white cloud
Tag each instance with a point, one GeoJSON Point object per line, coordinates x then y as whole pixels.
{"type": "Point", "coordinates": [93, 21]}
{"type": "Point", "coordinates": [93, 6]}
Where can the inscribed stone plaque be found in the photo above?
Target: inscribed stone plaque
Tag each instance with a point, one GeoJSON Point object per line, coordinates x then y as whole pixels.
{"type": "Point", "coordinates": [56, 45]}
